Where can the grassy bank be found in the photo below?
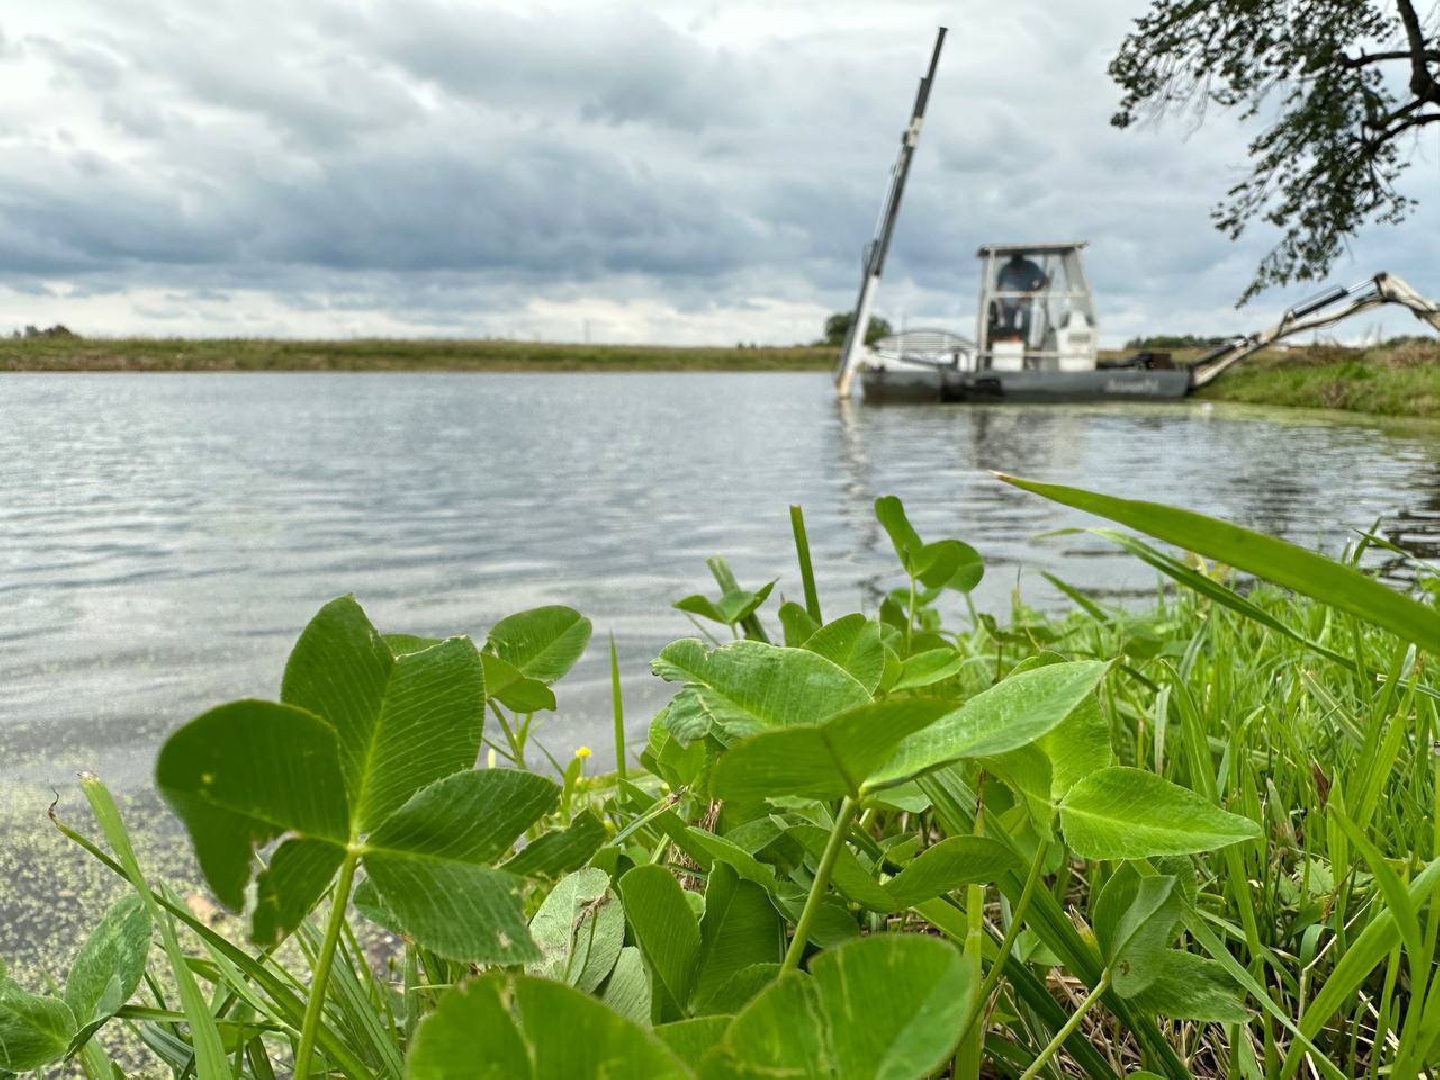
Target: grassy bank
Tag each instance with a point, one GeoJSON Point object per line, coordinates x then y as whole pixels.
{"type": "Point", "coordinates": [1399, 380]}
{"type": "Point", "coordinates": [1382, 380]}
{"type": "Point", "coordinates": [390, 354]}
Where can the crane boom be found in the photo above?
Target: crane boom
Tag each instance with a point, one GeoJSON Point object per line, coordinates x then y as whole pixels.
{"type": "Point", "coordinates": [875, 251]}
{"type": "Point", "coordinates": [1316, 314]}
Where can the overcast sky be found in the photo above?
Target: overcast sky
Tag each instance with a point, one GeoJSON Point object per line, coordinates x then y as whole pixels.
{"type": "Point", "coordinates": [668, 172]}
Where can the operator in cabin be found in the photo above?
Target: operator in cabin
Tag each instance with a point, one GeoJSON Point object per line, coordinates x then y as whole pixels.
{"type": "Point", "coordinates": [1019, 275]}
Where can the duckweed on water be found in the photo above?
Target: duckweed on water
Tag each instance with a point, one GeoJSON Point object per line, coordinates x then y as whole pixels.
{"type": "Point", "coordinates": [1198, 839]}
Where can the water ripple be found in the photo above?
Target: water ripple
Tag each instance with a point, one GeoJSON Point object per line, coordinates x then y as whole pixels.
{"type": "Point", "coordinates": [164, 538]}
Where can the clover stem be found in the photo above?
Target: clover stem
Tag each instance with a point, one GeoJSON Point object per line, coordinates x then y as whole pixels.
{"type": "Point", "coordinates": [970, 1052]}
{"type": "Point", "coordinates": [846, 814]}
{"type": "Point", "coordinates": [992, 977]}
{"type": "Point", "coordinates": [1069, 1029]}
{"type": "Point", "coordinates": [315, 1007]}
{"type": "Point", "coordinates": [910, 622]}
{"type": "Point", "coordinates": [516, 743]}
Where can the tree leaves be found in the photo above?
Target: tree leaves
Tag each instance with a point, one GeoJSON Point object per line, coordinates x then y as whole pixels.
{"type": "Point", "coordinates": [1123, 813]}
{"type": "Point", "coordinates": [1328, 150]}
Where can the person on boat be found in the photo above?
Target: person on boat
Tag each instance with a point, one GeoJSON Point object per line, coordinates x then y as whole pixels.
{"type": "Point", "coordinates": [1019, 275]}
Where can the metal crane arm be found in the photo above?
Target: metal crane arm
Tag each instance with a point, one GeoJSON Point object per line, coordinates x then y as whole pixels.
{"type": "Point", "coordinates": [876, 250]}
{"type": "Point", "coordinates": [1315, 314]}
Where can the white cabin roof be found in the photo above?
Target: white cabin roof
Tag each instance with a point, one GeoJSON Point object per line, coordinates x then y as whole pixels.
{"type": "Point", "coordinates": [1031, 249]}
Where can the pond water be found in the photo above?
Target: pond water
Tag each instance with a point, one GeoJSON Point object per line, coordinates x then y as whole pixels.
{"type": "Point", "coordinates": [164, 538]}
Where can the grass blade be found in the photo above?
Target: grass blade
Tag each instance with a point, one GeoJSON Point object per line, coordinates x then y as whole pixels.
{"type": "Point", "coordinates": [617, 709]}
{"type": "Point", "coordinates": [1264, 556]}
{"type": "Point", "coordinates": [210, 1060]}
{"type": "Point", "coordinates": [807, 571]}
{"type": "Point", "coordinates": [287, 1003]}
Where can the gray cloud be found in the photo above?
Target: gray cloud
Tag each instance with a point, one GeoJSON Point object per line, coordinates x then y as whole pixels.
{"type": "Point", "coordinates": [462, 167]}
{"type": "Point", "coordinates": [615, 66]}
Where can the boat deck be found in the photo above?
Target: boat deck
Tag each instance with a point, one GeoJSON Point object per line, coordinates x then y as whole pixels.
{"type": "Point", "coordinates": [947, 384]}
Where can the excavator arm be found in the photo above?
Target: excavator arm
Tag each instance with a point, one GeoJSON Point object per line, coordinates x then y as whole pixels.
{"type": "Point", "coordinates": [1327, 309]}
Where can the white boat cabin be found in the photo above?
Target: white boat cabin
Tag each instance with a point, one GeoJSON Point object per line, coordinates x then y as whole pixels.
{"type": "Point", "coordinates": [1036, 311]}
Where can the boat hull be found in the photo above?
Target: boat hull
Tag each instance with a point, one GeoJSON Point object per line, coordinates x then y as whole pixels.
{"type": "Point", "coordinates": [946, 384]}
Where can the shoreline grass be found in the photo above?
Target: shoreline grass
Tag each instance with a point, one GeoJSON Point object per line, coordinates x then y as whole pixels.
{"type": "Point", "coordinates": [1388, 380]}
{"type": "Point", "coordinates": [1398, 380]}
{"type": "Point", "coordinates": [393, 354]}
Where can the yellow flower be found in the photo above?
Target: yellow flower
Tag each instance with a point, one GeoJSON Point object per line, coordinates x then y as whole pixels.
{"type": "Point", "coordinates": [583, 753]}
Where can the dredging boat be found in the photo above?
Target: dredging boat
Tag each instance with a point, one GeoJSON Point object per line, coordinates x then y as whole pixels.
{"type": "Point", "coordinates": [1036, 333]}
{"type": "Point", "coordinates": [1036, 339]}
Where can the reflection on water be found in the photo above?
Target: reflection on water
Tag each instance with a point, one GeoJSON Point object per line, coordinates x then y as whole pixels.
{"type": "Point", "coordinates": [164, 538]}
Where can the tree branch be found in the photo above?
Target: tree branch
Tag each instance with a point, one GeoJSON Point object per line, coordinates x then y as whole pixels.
{"type": "Point", "coordinates": [1382, 124]}
{"type": "Point", "coordinates": [1344, 83]}
{"type": "Point", "coordinates": [1422, 83]}
{"type": "Point", "coordinates": [1374, 58]}
{"type": "Point", "coordinates": [1413, 122]}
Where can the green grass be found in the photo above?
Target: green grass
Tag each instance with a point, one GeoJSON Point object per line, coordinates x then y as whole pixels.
{"type": "Point", "coordinates": [391, 354]}
{"type": "Point", "coordinates": [1386, 381]}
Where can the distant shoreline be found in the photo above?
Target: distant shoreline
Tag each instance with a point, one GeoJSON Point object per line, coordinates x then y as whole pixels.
{"type": "Point", "coordinates": [381, 354]}
{"type": "Point", "coordinates": [1399, 380]}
